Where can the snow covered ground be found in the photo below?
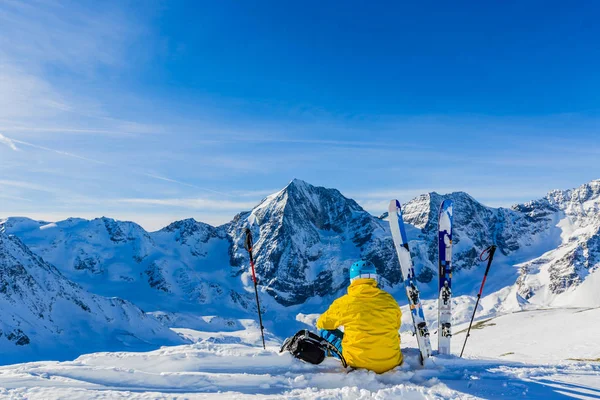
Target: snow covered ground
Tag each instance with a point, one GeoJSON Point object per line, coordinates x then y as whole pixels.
{"type": "Point", "coordinates": [534, 354]}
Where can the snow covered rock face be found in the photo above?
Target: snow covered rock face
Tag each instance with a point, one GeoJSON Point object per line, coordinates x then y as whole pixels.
{"type": "Point", "coordinates": [306, 239]}
{"type": "Point", "coordinates": [40, 308]}
{"type": "Point", "coordinates": [309, 236]}
{"type": "Point", "coordinates": [182, 266]}
{"type": "Point", "coordinates": [563, 269]}
{"type": "Point", "coordinates": [475, 228]}
{"type": "Point", "coordinates": [581, 205]}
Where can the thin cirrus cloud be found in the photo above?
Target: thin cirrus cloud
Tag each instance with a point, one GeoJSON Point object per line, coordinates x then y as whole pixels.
{"type": "Point", "coordinates": [9, 142]}
{"type": "Point", "coordinates": [71, 34]}
{"type": "Point", "coordinates": [25, 95]}
{"type": "Point", "coordinates": [12, 144]}
{"type": "Point", "coordinates": [30, 104]}
{"type": "Point", "coordinates": [193, 203]}
{"type": "Point", "coordinates": [77, 39]}
{"type": "Point", "coordinates": [24, 185]}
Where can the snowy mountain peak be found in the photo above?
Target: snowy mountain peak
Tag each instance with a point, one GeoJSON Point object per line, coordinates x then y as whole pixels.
{"type": "Point", "coordinates": [187, 227]}
{"type": "Point", "coordinates": [299, 183]}
{"type": "Point", "coordinates": [192, 231]}
{"type": "Point", "coordinates": [422, 211]}
{"type": "Point", "coordinates": [581, 205]}
{"type": "Point", "coordinates": [299, 237]}
{"type": "Point", "coordinates": [300, 192]}
{"type": "Point", "coordinates": [20, 223]}
{"type": "Point", "coordinates": [300, 201]}
{"type": "Point", "coordinates": [182, 224]}
{"type": "Point", "coordinates": [587, 192]}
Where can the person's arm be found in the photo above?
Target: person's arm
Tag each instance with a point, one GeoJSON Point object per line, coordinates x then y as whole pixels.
{"type": "Point", "coordinates": [330, 319]}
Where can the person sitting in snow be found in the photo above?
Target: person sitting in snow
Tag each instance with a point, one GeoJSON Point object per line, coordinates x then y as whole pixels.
{"type": "Point", "coordinates": [371, 319]}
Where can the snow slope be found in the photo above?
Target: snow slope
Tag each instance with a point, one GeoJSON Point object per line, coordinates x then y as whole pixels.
{"type": "Point", "coordinates": [44, 315]}
{"type": "Point", "coordinates": [506, 357]}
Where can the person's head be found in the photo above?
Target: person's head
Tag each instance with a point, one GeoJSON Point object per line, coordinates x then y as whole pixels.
{"type": "Point", "coordinates": [363, 270]}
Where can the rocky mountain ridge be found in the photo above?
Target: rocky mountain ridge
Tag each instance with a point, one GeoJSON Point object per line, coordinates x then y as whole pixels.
{"type": "Point", "coordinates": [306, 239]}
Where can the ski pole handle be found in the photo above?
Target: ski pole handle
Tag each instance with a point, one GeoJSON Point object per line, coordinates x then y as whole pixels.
{"type": "Point", "coordinates": [490, 255]}
{"type": "Point", "coordinates": [490, 250]}
{"type": "Point", "coordinates": [248, 246]}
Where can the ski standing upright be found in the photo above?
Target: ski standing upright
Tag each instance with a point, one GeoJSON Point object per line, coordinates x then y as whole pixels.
{"type": "Point", "coordinates": [408, 275]}
{"type": "Point", "coordinates": [445, 277]}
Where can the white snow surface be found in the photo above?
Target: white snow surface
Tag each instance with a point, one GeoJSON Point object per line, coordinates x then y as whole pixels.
{"type": "Point", "coordinates": [506, 357]}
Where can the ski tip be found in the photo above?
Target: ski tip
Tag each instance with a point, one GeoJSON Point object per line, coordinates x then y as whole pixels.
{"type": "Point", "coordinates": [446, 204]}
{"type": "Point", "coordinates": [446, 208]}
{"type": "Point", "coordinates": [394, 204]}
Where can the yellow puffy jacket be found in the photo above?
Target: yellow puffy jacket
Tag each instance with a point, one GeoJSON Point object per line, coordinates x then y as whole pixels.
{"type": "Point", "coordinates": [371, 319]}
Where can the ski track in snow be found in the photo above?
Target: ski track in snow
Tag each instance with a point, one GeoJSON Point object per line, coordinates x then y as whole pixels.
{"type": "Point", "coordinates": [501, 362]}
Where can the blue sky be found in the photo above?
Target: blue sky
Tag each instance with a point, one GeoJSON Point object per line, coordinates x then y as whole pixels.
{"type": "Point", "coordinates": [155, 111]}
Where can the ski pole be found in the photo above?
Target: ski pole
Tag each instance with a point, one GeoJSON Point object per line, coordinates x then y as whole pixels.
{"type": "Point", "coordinates": [248, 246]}
{"type": "Point", "coordinates": [490, 256]}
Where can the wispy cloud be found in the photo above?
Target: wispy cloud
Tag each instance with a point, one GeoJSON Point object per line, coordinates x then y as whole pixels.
{"type": "Point", "coordinates": [11, 142]}
{"type": "Point", "coordinates": [60, 152]}
{"type": "Point", "coordinates": [24, 95]}
{"type": "Point", "coordinates": [117, 128]}
{"type": "Point", "coordinates": [11, 197]}
{"type": "Point", "coordinates": [254, 193]}
{"type": "Point", "coordinates": [162, 178]}
{"type": "Point", "coordinates": [7, 141]}
{"type": "Point", "coordinates": [79, 36]}
{"type": "Point", "coordinates": [76, 39]}
{"type": "Point", "coordinates": [25, 185]}
{"type": "Point", "coordinates": [193, 203]}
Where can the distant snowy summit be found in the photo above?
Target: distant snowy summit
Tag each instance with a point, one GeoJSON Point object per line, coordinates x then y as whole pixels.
{"type": "Point", "coordinates": [306, 237]}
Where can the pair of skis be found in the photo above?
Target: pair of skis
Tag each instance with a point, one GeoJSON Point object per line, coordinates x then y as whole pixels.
{"type": "Point", "coordinates": [410, 282]}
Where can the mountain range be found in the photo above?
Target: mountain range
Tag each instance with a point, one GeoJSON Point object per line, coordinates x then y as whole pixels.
{"type": "Point", "coordinates": [306, 238]}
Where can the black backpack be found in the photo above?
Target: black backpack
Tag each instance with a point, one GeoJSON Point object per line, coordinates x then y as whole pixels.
{"type": "Point", "coordinates": [310, 347]}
